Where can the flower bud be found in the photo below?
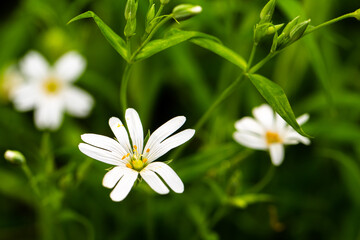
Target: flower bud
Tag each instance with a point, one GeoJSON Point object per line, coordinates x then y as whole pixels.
{"type": "Point", "coordinates": [163, 2]}
{"type": "Point", "coordinates": [274, 28]}
{"type": "Point", "coordinates": [357, 14]}
{"type": "Point", "coordinates": [298, 31]}
{"type": "Point", "coordinates": [150, 14]}
{"type": "Point", "coordinates": [185, 11]}
{"type": "Point", "coordinates": [290, 25]}
{"type": "Point", "coordinates": [130, 28]}
{"type": "Point", "coordinates": [267, 12]}
{"type": "Point", "coordinates": [14, 157]}
{"type": "Point", "coordinates": [130, 9]}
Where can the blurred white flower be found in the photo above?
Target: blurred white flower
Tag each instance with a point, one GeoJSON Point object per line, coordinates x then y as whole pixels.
{"type": "Point", "coordinates": [10, 79]}
{"type": "Point", "coordinates": [268, 131]}
{"type": "Point", "coordinates": [49, 90]}
{"type": "Point", "coordinates": [132, 158]}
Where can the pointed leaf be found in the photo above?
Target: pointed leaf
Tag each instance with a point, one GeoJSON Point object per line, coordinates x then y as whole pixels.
{"type": "Point", "coordinates": [115, 40]}
{"type": "Point", "coordinates": [172, 38]}
{"type": "Point", "coordinates": [277, 99]}
{"type": "Point", "coordinates": [221, 50]}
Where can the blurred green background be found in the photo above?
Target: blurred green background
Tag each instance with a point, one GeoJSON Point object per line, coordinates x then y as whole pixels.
{"type": "Point", "coordinates": [314, 194]}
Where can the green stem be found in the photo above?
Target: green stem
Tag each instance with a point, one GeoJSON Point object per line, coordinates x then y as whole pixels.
{"type": "Point", "coordinates": [31, 178]}
{"type": "Point", "coordinates": [159, 10]}
{"type": "Point", "coordinates": [266, 179]}
{"type": "Point", "coordinates": [252, 54]}
{"type": "Point", "coordinates": [348, 15]}
{"type": "Point", "coordinates": [123, 88]}
{"type": "Point", "coordinates": [262, 62]}
{"type": "Point", "coordinates": [149, 37]}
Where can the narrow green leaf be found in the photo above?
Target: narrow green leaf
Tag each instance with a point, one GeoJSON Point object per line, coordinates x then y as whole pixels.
{"type": "Point", "coordinates": [221, 50]}
{"type": "Point", "coordinates": [115, 40]}
{"type": "Point", "coordinates": [277, 99]}
{"type": "Point", "coordinates": [172, 38]}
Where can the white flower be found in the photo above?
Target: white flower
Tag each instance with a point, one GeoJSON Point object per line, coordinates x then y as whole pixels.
{"type": "Point", "coordinates": [9, 80]}
{"type": "Point", "coordinates": [49, 90]}
{"type": "Point", "coordinates": [132, 158]}
{"type": "Point", "coordinates": [268, 131]}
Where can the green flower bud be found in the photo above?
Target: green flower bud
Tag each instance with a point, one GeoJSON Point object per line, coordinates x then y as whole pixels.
{"type": "Point", "coordinates": [130, 28]}
{"type": "Point", "coordinates": [267, 12]}
{"type": "Point", "coordinates": [150, 14]}
{"type": "Point", "coordinates": [357, 14]}
{"type": "Point", "coordinates": [130, 9]}
{"type": "Point", "coordinates": [15, 157]}
{"type": "Point", "coordinates": [290, 25]}
{"type": "Point", "coordinates": [298, 31]}
{"type": "Point", "coordinates": [185, 11]}
{"type": "Point", "coordinates": [163, 2]}
{"type": "Point", "coordinates": [273, 29]}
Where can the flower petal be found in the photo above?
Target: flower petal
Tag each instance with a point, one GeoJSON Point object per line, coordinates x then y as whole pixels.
{"type": "Point", "coordinates": [163, 132]}
{"type": "Point", "coordinates": [120, 133]}
{"type": "Point", "coordinates": [49, 113]}
{"type": "Point", "coordinates": [250, 140]}
{"type": "Point", "coordinates": [124, 186]}
{"type": "Point", "coordinates": [78, 102]}
{"type": "Point", "coordinates": [104, 142]}
{"type": "Point", "coordinates": [154, 181]}
{"type": "Point", "coordinates": [248, 124]}
{"type": "Point", "coordinates": [135, 128]}
{"type": "Point", "coordinates": [70, 66]}
{"type": "Point", "coordinates": [25, 97]}
{"type": "Point", "coordinates": [113, 176]}
{"type": "Point", "coordinates": [99, 154]}
{"type": "Point", "coordinates": [303, 119]}
{"type": "Point", "coordinates": [292, 138]}
{"type": "Point", "coordinates": [168, 174]}
{"type": "Point", "coordinates": [170, 143]}
{"type": "Point", "coordinates": [34, 66]}
{"type": "Point", "coordinates": [265, 115]}
{"type": "Point", "coordinates": [276, 153]}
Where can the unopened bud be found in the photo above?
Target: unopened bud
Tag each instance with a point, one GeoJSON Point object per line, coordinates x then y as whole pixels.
{"type": "Point", "coordinates": [298, 31]}
{"type": "Point", "coordinates": [150, 14]}
{"type": "Point", "coordinates": [15, 157]}
{"type": "Point", "coordinates": [274, 28]}
{"type": "Point", "coordinates": [267, 12]}
{"type": "Point", "coordinates": [290, 25]}
{"type": "Point", "coordinates": [130, 28]}
{"type": "Point", "coordinates": [185, 11]}
{"type": "Point", "coordinates": [357, 14]}
{"type": "Point", "coordinates": [130, 9]}
{"type": "Point", "coordinates": [163, 2]}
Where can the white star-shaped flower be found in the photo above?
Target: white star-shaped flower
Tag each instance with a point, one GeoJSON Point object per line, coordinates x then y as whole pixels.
{"type": "Point", "coordinates": [132, 158]}
{"type": "Point", "coordinates": [49, 90]}
{"type": "Point", "coordinates": [268, 131]}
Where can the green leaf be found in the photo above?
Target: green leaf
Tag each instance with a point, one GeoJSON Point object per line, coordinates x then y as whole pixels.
{"type": "Point", "coordinates": [172, 38]}
{"type": "Point", "coordinates": [277, 99]}
{"type": "Point", "coordinates": [221, 50]}
{"type": "Point", "coordinates": [115, 40]}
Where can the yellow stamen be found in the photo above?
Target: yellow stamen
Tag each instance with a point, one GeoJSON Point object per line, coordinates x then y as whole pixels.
{"type": "Point", "coordinates": [148, 150]}
{"type": "Point", "coordinates": [144, 160]}
{"type": "Point", "coordinates": [128, 165]}
{"type": "Point", "coordinates": [272, 137]}
{"type": "Point", "coordinates": [52, 85]}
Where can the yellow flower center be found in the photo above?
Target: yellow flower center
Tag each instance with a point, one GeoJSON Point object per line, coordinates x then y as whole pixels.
{"type": "Point", "coordinates": [52, 85]}
{"type": "Point", "coordinates": [137, 162]}
{"type": "Point", "coordinates": [272, 137]}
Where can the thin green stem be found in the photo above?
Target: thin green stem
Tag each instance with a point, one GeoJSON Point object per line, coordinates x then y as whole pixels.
{"type": "Point", "coordinates": [159, 10]}
{"type": "Point", "coordinates": [31, 178]}
{"type": "Point", "coordinates": [149, 37]}
{"type": "Point", "coordinates": [348, 15]}
{"type": "Point", "coordinates": [262, 62]}
{"type": "Point", "coordinates": [265, 180]}
{"type": "Point", "coordinates": [123, 88]}
{"type": "Point", "coordinates": [252, 54]}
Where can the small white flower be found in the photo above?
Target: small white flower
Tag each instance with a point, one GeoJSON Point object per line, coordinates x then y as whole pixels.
{"type": "Point", "coordinates": [268, 131]}
{"type": "Point", "coordinates": [132, 158]}
{"type": "Point", "coordinates": [9, 80]}
{"type": "Point", "coordinates": [49, 90]}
